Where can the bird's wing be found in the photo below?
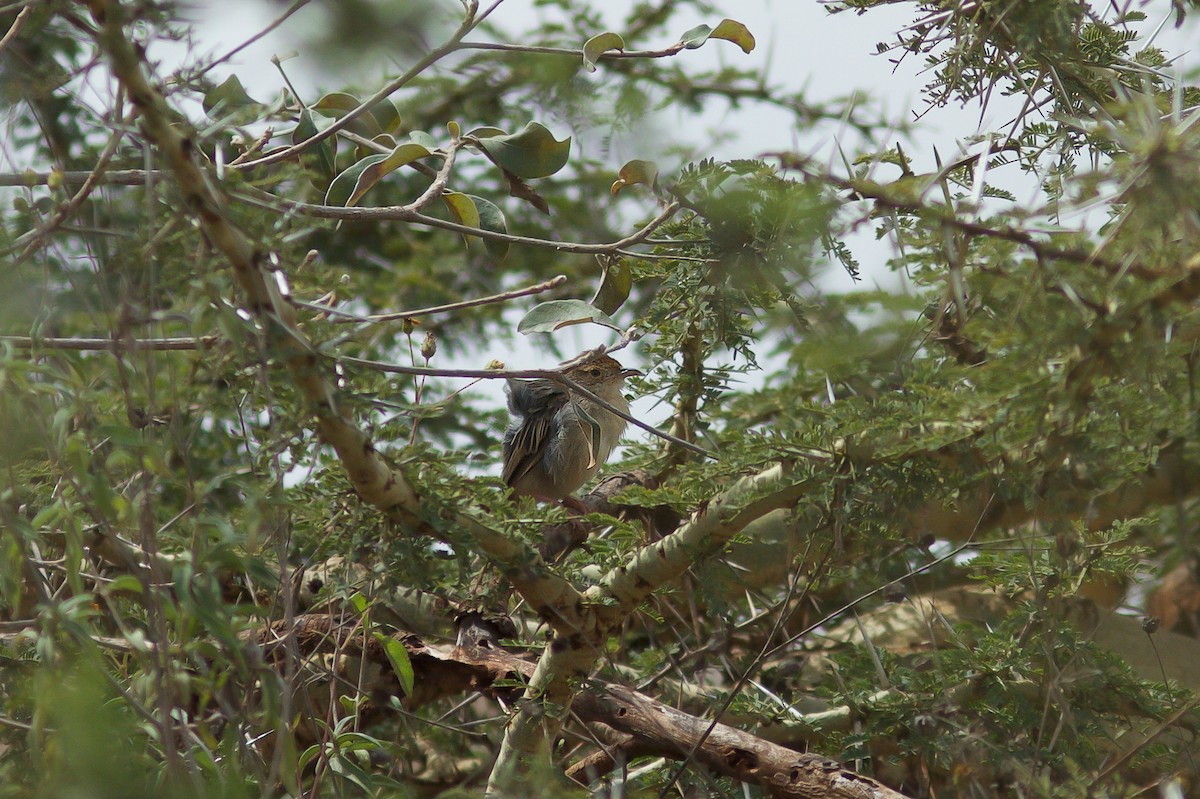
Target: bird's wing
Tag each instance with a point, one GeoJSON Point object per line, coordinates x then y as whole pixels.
{"type": "Point", "coordinates": [536, 402]}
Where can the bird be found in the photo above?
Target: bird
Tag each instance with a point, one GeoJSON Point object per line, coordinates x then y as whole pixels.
{"type": "Point", "coordinates": [559, 439]}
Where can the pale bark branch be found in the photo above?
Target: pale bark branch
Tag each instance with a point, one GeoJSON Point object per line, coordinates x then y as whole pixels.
{"type": "Point", "coordinates": [709, 528]}
{"type": "Point", "coordinates": [369, 473]}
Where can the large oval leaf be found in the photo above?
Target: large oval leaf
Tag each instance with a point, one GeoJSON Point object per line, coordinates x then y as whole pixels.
{"type": "Point", "coordinates": [231, 100]}
{"type": "Point", "coordinates": [349, 187]}
{"type": "Point", "coordinates": [492, 218]}
{"type": "Point", "coordinates": [381, 117]}
{"type": "Point", "coordinates": [467, 209]}
{"type": "Point", "coordinates": [615, 286]}
{"type": "Point", "coordinates": [532, 153]}
{"type": "Point", "coordinates": [462, 208]}
{"type": "Point", "coordinates": [547, 317]}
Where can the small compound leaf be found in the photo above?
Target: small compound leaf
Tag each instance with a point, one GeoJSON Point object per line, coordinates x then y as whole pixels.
{"type": "Point", "coordinates": [230, 98]}
{"type": "Point", "coordinates": [547, 317]}
{"type": "Point", "coordinates": [695, 37]}
{"type": "Point", "coordinates": [402, 665]}
{"type": "Point", "coordinates": [636, 171]}
{"type": "Point", "coordinates": [320, 158]}
{"type": "Point", "coordinates": [733, 31]}
{"type": "Point", "coordinates": [614, 287]}
{"type": "Point", "coordinates": [491, 218]}
{"type": "Point", "coordinates": [596, 46]}
{"type": "Point", "coordinates": [532, 153]}
{"type": "Point", "coordinates": [360, 177]}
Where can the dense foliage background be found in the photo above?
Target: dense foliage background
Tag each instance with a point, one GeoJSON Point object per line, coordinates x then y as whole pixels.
{"type": "Point", "coordinates": [252, 542]}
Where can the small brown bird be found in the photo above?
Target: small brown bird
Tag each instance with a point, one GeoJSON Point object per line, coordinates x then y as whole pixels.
{"type": "Point", "coordinates": [557, 441]}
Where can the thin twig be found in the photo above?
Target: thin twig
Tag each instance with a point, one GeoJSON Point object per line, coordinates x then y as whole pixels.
{"type": "Point", "coordinates": [507, 47]}
{"type": "Point", "coordinates": [15, 28]}
{"type": "Point", "coordinates": [525, 374]}
{"type": "Point", "coordinates": [400, 213]}
{"type": "Point", "coordinates": [68, 208]}
{"type": "Point", "coordinates": [110, 345]}
{"type": "Point", "coordinates": [451, 44]}
{"type": "Point", "coordinates": [292, 9]}
{"type": "Point", "coordinates": [348, 317]}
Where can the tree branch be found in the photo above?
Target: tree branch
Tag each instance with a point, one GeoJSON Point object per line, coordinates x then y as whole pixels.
{"type": "Point", "coordinates": [369, 473]}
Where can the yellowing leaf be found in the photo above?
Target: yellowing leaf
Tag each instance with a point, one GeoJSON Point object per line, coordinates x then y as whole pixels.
{"type": "Point", "coordinates": [636, 171]}
{"type": "Point", "coordinates": [728, 29]}
{"type": "Point", "coordinates": [467, 209]}
{"type": "Point", "coordinates": [733, 31]}
{"type": "Point", "coordinates": [462, 208]}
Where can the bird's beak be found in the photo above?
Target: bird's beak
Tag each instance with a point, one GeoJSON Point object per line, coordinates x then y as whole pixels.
{"type": "Point", "coordinates": [628, 373]}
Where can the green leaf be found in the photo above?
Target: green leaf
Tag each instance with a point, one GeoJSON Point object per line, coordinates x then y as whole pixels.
{"type": "Point", "coordinates": [532, 153]}
{"type": "Point", "coordinates": [467, 209]}
{"type": "Point", "coordinates": [359, 603]}
{"type": "Point", "coordinates": [634, 172]}
{"type": "Point", "coordinates": [727, 29]}
{"type": "Point", "coordinates": [421, 137]}
{"type": "Point", "coordinates": [320, 158]}
{"type": "Point", "coordinates": [596, 46]}
{"type": "Point", "coordinates": [550, 316]}
{"type": "Point", "coordinates": [342, 189]}
{"type": "Point", "coordinates": [397, 655]}
{"type": "Point", "coordinates": [230, 98]}
{"type": "Point", "coordinates": [491, 218]}
{"type": "Point", "coordinates": [380, 117]}
{"type": "Point", "coordinates": [695, 37]}
{"type": "Point", "coordinates": [350, 186]}
{"type": "Point", "coordinates": [486, 131]}
{"type": "Point", "coordinates": [614, 287]}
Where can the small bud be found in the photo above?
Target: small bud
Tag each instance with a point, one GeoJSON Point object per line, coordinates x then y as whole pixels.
{"type": "Point", "coordinates": [407, 326]}
{"type": "Point", "coordinates": [429, 346]}
{"type": "Point", "coordinates": [1150, 624]}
